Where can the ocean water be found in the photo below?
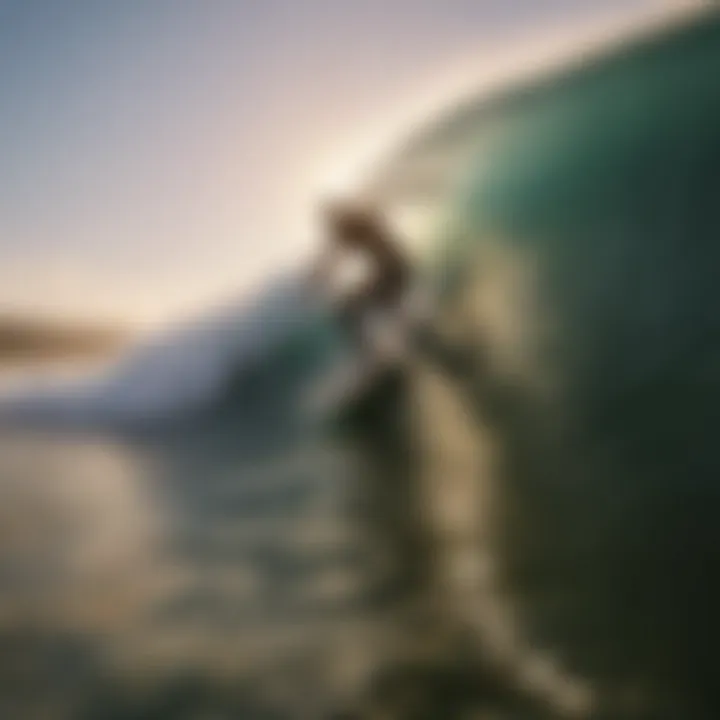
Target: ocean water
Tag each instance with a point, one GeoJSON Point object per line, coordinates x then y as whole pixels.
{"type": "Point", "coordinates": [523, 524]}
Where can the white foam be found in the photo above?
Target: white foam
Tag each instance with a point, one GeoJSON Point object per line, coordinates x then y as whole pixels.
{"type": "Point", "coordinates": [174, 372]}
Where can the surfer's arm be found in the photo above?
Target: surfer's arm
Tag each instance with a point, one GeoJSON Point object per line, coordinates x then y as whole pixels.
{"type": "Point", "coordinates": [325, 265]}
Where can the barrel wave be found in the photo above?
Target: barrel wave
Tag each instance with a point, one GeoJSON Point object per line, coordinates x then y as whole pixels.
{"type": "Point", "coordinates": [530, 511]}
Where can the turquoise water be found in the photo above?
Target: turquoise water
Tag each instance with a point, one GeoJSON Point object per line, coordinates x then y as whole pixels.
{"type": "Point", "coordinates": [523, 526]}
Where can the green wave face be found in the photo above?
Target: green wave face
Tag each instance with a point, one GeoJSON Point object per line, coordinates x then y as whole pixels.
{"type": "Point", "coordinates": [576, 242]}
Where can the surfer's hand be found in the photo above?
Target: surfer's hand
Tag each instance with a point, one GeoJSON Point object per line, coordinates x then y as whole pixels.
{"type": "Point", "coordinates": [314, 278]}
{"type": "Point", "coordinates": [315, 283]}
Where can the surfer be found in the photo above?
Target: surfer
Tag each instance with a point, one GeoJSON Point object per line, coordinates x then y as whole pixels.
{"type": "Point", "coordinates": [353, 230]}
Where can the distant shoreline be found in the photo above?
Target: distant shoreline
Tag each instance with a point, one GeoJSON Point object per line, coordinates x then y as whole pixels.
{"type": "Point", "coordinates": [42, 341]}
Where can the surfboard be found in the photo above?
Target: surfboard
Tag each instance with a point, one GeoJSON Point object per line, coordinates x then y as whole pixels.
{"type": "Point", "coordinates": [357, 375]}
{"type": "Point", "coordinates": [392, 341]}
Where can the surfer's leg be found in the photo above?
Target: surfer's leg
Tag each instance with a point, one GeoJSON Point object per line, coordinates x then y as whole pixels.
{"type": "Point", "coordinates": [352, 313]}
{"type": "Point", "coordinates": [379, 299]}
{"type": "Point", "coordinates": [388, 336]}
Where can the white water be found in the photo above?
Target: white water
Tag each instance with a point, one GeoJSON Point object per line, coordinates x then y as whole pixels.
{"type": "Point", "coordinates": [174, 372]}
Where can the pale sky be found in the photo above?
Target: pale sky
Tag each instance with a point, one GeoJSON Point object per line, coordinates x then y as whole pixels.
{"type": "Point", "coordinates": [159, 154]}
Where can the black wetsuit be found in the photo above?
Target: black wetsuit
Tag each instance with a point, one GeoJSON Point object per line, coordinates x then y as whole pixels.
{"type": "Point", "coordinates": [384, 290]}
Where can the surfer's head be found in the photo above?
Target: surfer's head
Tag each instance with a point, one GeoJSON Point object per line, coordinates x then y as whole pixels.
{"type": "Point", "coordinates": [351, 221]}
